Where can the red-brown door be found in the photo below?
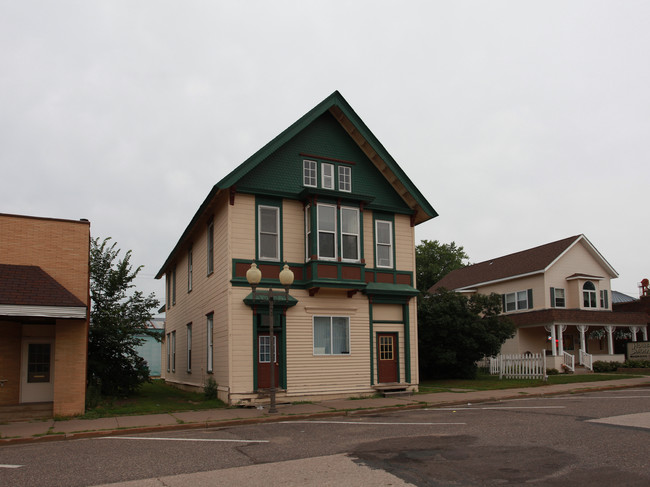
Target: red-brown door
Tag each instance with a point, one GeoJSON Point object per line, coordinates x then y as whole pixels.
{"type": "Point", "coordinates": [387, 358]}
{"type": "Point", "coordinates": [264, 361]}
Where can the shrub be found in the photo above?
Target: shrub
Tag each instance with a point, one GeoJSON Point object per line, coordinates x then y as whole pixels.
{"type": "Point", "coordinates": [600, 366]}
{"type": "Point", "coordinates": [636, 364]}
{"type": "Point", "coordinates": [210, 389]}
{"type": "Point", "coordinates": [552, 372]}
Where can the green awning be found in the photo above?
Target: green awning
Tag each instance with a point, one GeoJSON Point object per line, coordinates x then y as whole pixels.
{"type": "Point", "coordinates": [263, 300]}
{"type": "Point", "coordinates": [386, 289]}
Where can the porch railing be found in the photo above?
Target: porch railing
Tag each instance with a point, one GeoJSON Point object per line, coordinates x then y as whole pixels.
{"type": "Point", "coordinates": [569, 361]}
{"type": "Point", "coordinates": [587, 360]}
{"type": "Point", "coordinates": [514, 366]}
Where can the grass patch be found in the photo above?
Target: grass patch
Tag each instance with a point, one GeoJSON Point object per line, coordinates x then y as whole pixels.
{"type": "Point", "coordinates": [484, 382]}
{"type": "Point", "coordinates": [156, 397]}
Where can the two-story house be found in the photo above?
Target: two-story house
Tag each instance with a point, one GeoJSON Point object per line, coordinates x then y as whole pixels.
{"type": "Point", "coordinates": [559, 297]}
{"type": "Point", "coordinates": [44, 316]}
{"type": "Point", "coordinates": [326, 198]}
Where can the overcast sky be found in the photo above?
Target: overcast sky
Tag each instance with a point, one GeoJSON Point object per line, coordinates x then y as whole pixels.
{"type": "Point", "coordinates": [522, 122]}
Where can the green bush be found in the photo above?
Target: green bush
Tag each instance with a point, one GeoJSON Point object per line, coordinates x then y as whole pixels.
{"type": "Point", "coordinates": [600, 366]}
{"type": "Point", "coordinates": [636, 364]}
{"type": "Point", "coordinates": [210, 389]}
{"type": "Point", "coordinates": [552, 372]}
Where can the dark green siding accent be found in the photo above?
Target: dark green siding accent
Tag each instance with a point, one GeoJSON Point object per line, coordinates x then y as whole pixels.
{"type": "Point", "coordinates": [407, 342]}
{"type": "Point", "coordinates": [281, 171]}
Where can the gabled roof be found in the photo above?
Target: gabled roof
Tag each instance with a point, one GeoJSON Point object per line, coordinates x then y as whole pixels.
{"type": "Point", "coordinates": [520, 264]}
{"type": "Point", "coordinates": [29, 286]}
{"type": "Point", "coordinates": [339, 108]}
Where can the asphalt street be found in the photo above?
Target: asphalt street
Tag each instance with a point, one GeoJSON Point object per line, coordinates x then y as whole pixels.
{"type": "Point", "coordinates": [599, 438]}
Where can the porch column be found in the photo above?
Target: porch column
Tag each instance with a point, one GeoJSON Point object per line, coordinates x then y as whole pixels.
{"type": "Point", "coordinates": [583, 346]}
{"type": "Point", "coordinates": [553, 344]}
{"type": "Point", "coordinates": [610, 338]}
{"type": "Point", "coordinates": [644, 330]}
{"type": "Point", "coordinates": [634, 330]}
{"type": "Point", "coordinates": [560, 339]}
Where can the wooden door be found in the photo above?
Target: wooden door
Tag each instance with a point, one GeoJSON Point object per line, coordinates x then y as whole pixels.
{"type": "Point", "coordinates": [264, 361]}
{"type": "Point", "coordinates": [387, 358]}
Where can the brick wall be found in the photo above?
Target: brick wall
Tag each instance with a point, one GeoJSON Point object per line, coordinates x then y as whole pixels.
{"type": "Point", "coordinates": [10, 334]}
{"type": "Point", "coordinates": [70, 367]}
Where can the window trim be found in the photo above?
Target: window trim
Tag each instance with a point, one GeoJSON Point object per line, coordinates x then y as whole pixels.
{"type": "Point", "coordinates": [276, 209]}
{"type": "Point", "coordinates": [604, 299]}
{"type": "Point", "coordinates": [357, 235]}
{"type": "Point", "coordinates": [348, 352]}
{"type": "Point", "coordinates": [589, 296]}
{"type": "Point", "coordinates": [168, 342]}
{"type": "Point", "coordinates": [309, 167]}
{"type": "Point", "coordinates": [188, 329]}
{"type": "Point", "coordinates": [333, 232]}
{"type": "Point", "coordinates": [174, 351]}
{"type": "Point", "coordinates": [324, 177]}
{"type": "Point", "coordinates": [389, 245]}
{"type": "Point", "coordinates": [515, 300]}
{"type": "Point", "coordinates": [210, 343]}
{"type": "Point", "coordinates": [555, 298]}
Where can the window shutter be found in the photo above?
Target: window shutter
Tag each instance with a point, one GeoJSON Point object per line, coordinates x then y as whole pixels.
{"type": "Point", "coordinates": [530, 299]}
{"type": "Point", "coordinates": [606, 295]}
{"type": "Point", "coordinates": [503, 302]}
{"type": "Point", "coordinates": [552, 297]}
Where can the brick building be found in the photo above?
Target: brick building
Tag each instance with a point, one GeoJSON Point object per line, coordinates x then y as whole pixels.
{"type": "Point", "coordinates": [44, 314]}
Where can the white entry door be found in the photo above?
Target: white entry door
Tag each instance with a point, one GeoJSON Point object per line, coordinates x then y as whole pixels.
{"type": "Point", "coordinates": [37, 370]}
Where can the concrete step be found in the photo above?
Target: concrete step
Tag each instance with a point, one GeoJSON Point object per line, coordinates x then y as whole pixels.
{"type": "Point", "coordinates": [19, 412]}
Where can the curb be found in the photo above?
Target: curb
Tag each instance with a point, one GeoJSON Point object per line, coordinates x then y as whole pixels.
{"type": "Point", "coordinates": [295, 417]}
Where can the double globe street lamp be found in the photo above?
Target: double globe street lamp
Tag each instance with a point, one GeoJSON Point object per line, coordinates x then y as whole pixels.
{"type": "Point", "coordinates": [254, 276]}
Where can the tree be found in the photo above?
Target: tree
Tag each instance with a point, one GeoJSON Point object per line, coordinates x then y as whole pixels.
{"type": "Point", "coordinates": [434, 260]}
{"type": "Point", "coordinates": [456, 331]}
{"type": "Point", "coordinates": [118, 320]}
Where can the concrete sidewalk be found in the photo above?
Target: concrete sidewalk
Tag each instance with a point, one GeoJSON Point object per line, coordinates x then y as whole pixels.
{"type": "Point", "coordinates": [52, 430]}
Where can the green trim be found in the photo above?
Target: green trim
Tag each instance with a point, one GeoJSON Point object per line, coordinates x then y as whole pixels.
{"type": "Point", "coordinates": [407, 342]}
{"type": "Point", "coordinates": [372, 348]}
{"type": "Point", "coordinates": [262, 301]}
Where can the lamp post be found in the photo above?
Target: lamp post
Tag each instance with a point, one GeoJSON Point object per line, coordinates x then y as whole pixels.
{"type": "Point", "coordinates": [254, 276]}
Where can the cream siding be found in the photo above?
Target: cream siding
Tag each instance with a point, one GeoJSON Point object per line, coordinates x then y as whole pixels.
{"type": "Point", "coordinates": [293, 231]}
{"type": "Point", "coordinates": [368, 238]}
{"type": "Point", "coordinates": [404, 243]}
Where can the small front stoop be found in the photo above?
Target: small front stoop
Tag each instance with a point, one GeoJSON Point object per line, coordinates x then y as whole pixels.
{"type": "Point", "coordinates": [393, 390]}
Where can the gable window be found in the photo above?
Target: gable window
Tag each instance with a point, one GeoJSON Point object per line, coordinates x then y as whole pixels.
{"type": "Point", "coordinates": [349, 234]}
{"type": "Point", "coordinates": [589, 295]}
{"type": "Point", "coordinates": [331, 335]}
{"type": "Point", "coordinates": [384, 243]}
{"type": "Point", "coordinates": [345, 179]}
{"type": "Point", "coordinates": [189, 347]}
{"type": "Point", "coordinates": [190, 265]}
{"type": "Point", "coordinates": [604, 299]}
{"type": "Point", "coordinates": [210, 343]}
{"type": "Point", "coordinates": [210, 246]}
{"type": "Point", "coordinates": [327, 176]}
{"type": "Point", "coordinates": [557, 297]}
{"type": "Point", "coordinates": [309, 175]}
{"type": "Point", "coordinates": [518, 300]}
{"type": "Point", "coordinates": [268, 232]}
{"type": "Point", "coordinates": [326, 232]}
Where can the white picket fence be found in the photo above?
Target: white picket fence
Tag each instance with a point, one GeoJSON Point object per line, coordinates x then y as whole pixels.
{"type": "Point", "coordinates": [514, 366]}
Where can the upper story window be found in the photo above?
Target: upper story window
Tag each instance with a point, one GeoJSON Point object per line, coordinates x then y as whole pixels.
{"type": "Point", "coordinates": [268, 232]}
{"type": "Point", "coordinates": [309, 174]}
{"type": "Point", "coordinates": [326, 231]}
{"type": "Point", "coordinates": [589, 295]}
{"type": "Point", "coordinates": [345, 179]}
{"type": "Point", "coordinates": [604, 299]}
{"type": "Point", "coordinates": [350, 234]}
{"type": "Point", "coordinates": [210, 246]}
{"type": "Point", "coordinates": [327, 176]}
{"type": "Point", "coordinates": [384, 243]}
{"type": "Point", "coordinates": [558, 299]}
{"type": "Point", "coordinates": [518, 300]}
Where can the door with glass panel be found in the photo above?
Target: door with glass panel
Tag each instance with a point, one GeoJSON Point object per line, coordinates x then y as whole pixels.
{"type": "Point", "coordinates": [387, 358]}
{"type": "Point", "coordinates": [37, 370]}
{"type": "Point", "coordinates": [267, 355]}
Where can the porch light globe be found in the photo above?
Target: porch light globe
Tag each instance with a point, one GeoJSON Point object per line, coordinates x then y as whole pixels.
{"type": "Point", "coordinates": [253, 275]}
{"type": "Point", "coordinates": [286, 276]}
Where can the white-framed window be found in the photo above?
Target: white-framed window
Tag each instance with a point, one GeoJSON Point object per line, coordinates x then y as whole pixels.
{"type": "Point", "coordinates": [589, 295]}
{"type": "Point", "coordinates": [209, 342]}
{"type": "Point", "coordinates": [268, 220]}
{"type": "Point", "coordinates": [264, 349]}
{"type": "Point", "coordinates": [345, 179]}
{"type": "Point", "coordinates": [189, 347]}
{"type": "Point", "coordinates": [383, 243]}
{"type": "Point", "coordinates": [327, 175]}
{"type": "Point", "coordinates": [190, 269]}
{"type": "Point", "coordinates": [349, 234]}
{"type": "Point", "coordinates": [210, 246]}
{"type": "Point", "coordinates": [518, 300]}
{"type": "Point", "coordinates": [168, 343]}
{"type": "Point", "coordinates": [308, 233]}
{"type": "Point", "coordinates": [558, 298]}
{"type": "Point", "coordinates": [604, 299]}
{"type": "Point", "coordinates": [326, 232]}
{"type": "Point", "coordinates": [309, 174]}
{"type": "Point", "coordinates": [173, 345]}
{"type": "Point", "coordinates": [331, 335]}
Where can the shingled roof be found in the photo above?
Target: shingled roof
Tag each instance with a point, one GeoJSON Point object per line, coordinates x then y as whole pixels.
{"type": "Point", "coordinates": [28, 285]}
{"type": "Point", "coordinates": [519, 264]}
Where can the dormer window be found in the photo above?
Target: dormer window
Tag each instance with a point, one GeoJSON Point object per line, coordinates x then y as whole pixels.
{"type": "Point", "coordinates": [589, 295]}
{"type": "Point", "coordinates": [345, 179]}
{"type": "Point", "coordinates": [309, 173]}
{"type": "Point", "coordinates": [333, 176]}
{"type": "Point", "coordinates": [327, 176]}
